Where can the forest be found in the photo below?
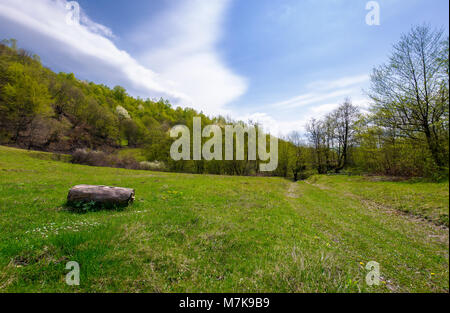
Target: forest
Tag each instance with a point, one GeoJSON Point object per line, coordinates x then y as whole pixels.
{"type": "Point", "coordinates": [403, 133]}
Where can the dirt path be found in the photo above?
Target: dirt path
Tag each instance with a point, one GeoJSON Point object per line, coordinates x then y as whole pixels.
{"type": "Point", "coordinates": [321, 187]}
{"type": "Point", "coordinates": [293, 191]}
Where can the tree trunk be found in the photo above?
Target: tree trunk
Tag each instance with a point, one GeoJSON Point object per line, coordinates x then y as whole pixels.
{"type": "Point", "coordinates": [101, 194]}
{"type": "Point", "coordinates": [433, 146]}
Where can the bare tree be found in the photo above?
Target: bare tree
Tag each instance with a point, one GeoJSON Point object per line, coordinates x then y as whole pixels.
{"type": "Point", "coordinates": [346, 117]}
{"type": "Point", "coordinates": [330, 141]}
{"type": "Point", "coordinates": [316, 135]}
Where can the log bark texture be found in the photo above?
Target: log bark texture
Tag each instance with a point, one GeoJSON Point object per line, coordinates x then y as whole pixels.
{"type": "Point", "coordinates": [101, 194]}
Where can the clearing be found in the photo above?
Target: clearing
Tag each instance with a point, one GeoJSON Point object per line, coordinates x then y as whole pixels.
{"type": "Point", "coordinates": [205, 233]}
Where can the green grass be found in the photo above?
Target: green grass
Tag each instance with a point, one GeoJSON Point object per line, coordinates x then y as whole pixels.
{"type": "Point", "coordinates": [204, 233]}
{"type": "Point", "coordinates": [135, 153]}
{"type": "Point", "coordinates": [422, 199]}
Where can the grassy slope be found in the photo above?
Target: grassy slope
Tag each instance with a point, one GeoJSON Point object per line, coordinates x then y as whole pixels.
{"type": "Point", "coordinates": [188, 233]}
{"type": "Point", "coordinates": [135, 153]}
{"type": "Point", "coordinates": [421, 199]}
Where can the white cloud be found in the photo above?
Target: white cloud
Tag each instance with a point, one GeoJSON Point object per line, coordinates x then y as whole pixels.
{"type": "Point", "coordinates": [274, 126]}
{"type": "Point", "coordinates": [44, 22]}
{"type": "Point", "coordinates": [177, 57]}
{"type": "Point", "coordinates": [323, 90]}
{"type": "Point", "coordinates": [319, 98]}
{"type": "Point", "coordinates": [189, 70]}
{"type": "Point", "coordinates": [187, 54]}
{"type": "Point", "coordinates": [342, 82]}
{"type": "Point", "coordinates": [310, 98]}
{"type": "Point", "coordinates": [267, 122]}
{"type": "Point", "coordinates": [95, 27]}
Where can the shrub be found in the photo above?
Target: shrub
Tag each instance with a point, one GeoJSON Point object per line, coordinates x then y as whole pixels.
{"type": "Point", "coordinates": [93, 158]}
{"type": "Point", "coordinates": [100, 158]}
{"type": "Point", "coordinates": [91, 206]}
{"type": "Point", "coordinates": [152, 166]}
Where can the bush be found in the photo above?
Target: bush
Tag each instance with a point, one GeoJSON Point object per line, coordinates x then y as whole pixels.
{"type": "Point", "coordinates": [306, 174]}
{"type": "Point", "coordinates": [152, 166]}
{"type": "Point", "coordinates": [91, 206]}
{"type": "Point", "coordinates": [100, 158]}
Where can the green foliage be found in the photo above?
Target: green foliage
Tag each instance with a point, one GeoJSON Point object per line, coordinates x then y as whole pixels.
{"type": "Point", "coordinates": [57, 112]}
{"type": "Point", "coordinates": [84, 207]}
{"type": "Point", "coordinates": [82, 114]}
{"type": "Point", "coordinates": [90, 206]}
{"type": "Point", "coordinates": [406, 132]}
{"type": "Point", "coordinates": [410, 92]}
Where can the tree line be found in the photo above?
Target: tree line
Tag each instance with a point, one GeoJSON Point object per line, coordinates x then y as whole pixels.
{"type": "Point", "coordinates": [43, 110]}
{"type": "Point", "coordinates": [405, 131]}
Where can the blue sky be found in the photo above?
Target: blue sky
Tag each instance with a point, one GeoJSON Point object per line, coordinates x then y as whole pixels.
{"type": "Point", "coordinates": [278, 62]}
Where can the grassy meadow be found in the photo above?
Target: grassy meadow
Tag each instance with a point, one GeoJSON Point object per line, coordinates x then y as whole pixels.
{"type": "Point", "coordinates": [205, 233]}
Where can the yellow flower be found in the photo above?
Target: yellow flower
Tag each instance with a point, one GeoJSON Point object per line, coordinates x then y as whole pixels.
{"type": "Point", "coordinates": [433, 274]}
{"type": "Point", "coordinates": [362, 263]}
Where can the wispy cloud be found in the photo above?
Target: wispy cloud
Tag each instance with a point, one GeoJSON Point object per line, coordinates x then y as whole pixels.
{"type": "Point", "coordinates": [185, 66]}
{"type": "Point", "coordinates": [187, 53]}
{"type": "Point", "coordinates": [84, 45]}
{"type": "Point", "coordinates": [310, 98]}
{"type": "Point", "coordinates": [318, 99]}
{"type": "Point", "coordinates": [319, 91]}
{"type": "Point", "coordinates": [176, 56]}
{"type": "Point", "coordinates": [342, 82]}
{"type": "Point", "coordinates": [95, 27]}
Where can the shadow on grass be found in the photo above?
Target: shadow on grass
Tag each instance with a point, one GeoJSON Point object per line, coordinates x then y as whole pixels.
{"type": "Point", "coordinates": [83, 207]}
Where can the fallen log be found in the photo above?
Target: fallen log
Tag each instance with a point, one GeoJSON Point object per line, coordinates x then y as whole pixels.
{"type": "Point", "coordinates": [101, 195]}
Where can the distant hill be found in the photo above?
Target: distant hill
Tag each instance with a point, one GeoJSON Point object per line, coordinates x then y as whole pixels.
{"type": "Point", "coordinates": [42, 110]}
{"type": "Point", "coordinates": [58, 112]}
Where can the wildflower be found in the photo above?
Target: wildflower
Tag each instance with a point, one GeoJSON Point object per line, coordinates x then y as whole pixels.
{"type": "Point", "coordinates": [362, 263]}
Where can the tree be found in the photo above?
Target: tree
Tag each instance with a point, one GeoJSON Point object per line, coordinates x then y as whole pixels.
{"type": "Point", "coordinates": [410, 92]}
{"type": "Point", "coordinates": [284, 148]}
{"type": "Point", "coordinates": [346, 117]}
{"type": "Point", "coordinates": [316, 135]}
{"type": "Point", "coordinates": [329, 141]}
{"type": "Point", "coordinates": [120, 93]}
{"type": "Point", "coordinates": [298, 163]}
{"type": "Point", "coordinates": [22, 98]}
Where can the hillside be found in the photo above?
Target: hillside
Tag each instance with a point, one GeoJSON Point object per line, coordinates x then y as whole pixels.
{"type": "Point", "coordinates": [207, 233]}
{"type": "Point", "coordinates": [58, 112]}
{"type": "Point", "coordinates": [44, 111]}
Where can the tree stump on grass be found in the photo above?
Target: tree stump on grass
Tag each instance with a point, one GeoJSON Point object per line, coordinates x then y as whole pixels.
{"type": "Point", "coordinates": [104, 195]}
